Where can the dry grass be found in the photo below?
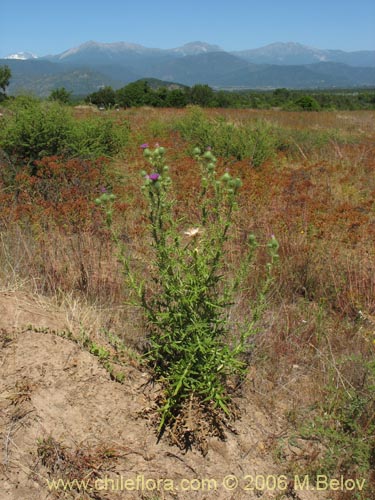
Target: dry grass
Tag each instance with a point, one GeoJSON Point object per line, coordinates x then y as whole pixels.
{"type": "Point", "coordinates": [320, 211]}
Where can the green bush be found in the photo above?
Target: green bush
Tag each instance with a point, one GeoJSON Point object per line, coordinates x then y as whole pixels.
{"type": "Point", "coordinates": [307, 103]}
{"type": "Point", "coordinates": [195, 127]}
{"type": "Point", "coordinates": [307, 142]}
{"type": "Point", "coordinates": [303, 103]}
{"type": "Point", "coordinates": [37, 129]}
{"type": "Point", "coordinates": [257, 141]}
{"type": "Point", "coordinates": [95, 137]}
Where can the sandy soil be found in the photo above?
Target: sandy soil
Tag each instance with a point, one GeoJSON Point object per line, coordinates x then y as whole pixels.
{"type": "Point", "coordinates": [62, 416]}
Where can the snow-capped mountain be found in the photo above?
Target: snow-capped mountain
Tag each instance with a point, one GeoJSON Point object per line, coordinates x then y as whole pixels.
{"type": "Point", "coordinates": [276, 65]}
{"type": "Point", "coordinates": [125, 52]}
{"type": "Point", "coordinates": [279, 53]}
{"type": "Point", "coordinates": [21, 56]}
{"type": "Point", "coordinates": [102, 51]}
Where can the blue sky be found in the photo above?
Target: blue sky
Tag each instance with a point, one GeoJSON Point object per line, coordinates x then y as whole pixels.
{"type": "Point", "coordinates": [50, 27]}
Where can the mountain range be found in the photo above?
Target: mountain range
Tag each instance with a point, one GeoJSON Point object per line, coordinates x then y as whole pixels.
{"type": "Point", "coordinates": [86, 68]}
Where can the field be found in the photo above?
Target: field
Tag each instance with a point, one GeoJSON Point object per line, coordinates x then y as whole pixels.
{"type": "Point", "coordinates": [80, 398]}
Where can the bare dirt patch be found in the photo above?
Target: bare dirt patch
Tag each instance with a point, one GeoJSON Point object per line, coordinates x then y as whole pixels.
{"type": "Point", "coordinates": [62, 417]}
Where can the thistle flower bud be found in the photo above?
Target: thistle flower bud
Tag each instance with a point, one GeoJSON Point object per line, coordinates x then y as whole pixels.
{"type": "Point", "coordinates": [252, 240]}
{"type": "Point", "coordinates": [273, 248]}
{"type": "Point", "coordinates": [226, 177]}
{"type": "Point", "coordinates": [273, 243]}
{"type": "Point", "coordinates": [196, 151]}
{"type": "Point", "coordinates": [209, 156]}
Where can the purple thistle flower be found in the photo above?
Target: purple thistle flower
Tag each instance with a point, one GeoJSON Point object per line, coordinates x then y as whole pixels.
{"type": "Point", "coordinates": [208, 148]}
{"type": "Point", "coordinates": [103, 189]}
{"type": "Point", "coordinates": [154, 177]}
{"type": "Point", "coordinates": [144, 146]}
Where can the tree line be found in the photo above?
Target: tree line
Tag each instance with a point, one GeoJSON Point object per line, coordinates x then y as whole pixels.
{"type": "Point", "coordinates": [142, 93]}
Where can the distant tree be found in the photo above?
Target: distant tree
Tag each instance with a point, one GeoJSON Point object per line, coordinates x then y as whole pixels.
{"type": "Point", "coordinates": [5, 76]}
{"type": "Point", "coordinates": [259, 101]}
{"type": "Point", "coordinates": [161, 95]}
{"type": "Point", "coordinates": [176, 98]}
{"type": "Point", "coordinates": [155, 97]}
{"type": "Point", "coordinates": [61, 95]}
{"type": "Point", "coordinates": [365, 99]}
{"type": "Point", "coordinates": [223, 99]}
{"type": "Point", "coordinates": [105, 97]}
{"type": "Point", "coordinates": [137, 93]}
{"type": "Point", "coordinates": [203, 95]}
{"type": "Point", "coordinates": [280, 96]}
{"type": "Point", "coordinates": [307, 103]}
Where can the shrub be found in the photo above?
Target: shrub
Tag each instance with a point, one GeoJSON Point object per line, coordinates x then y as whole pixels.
{"type": "Point", "coordinates": [38, 129]}
{"type": "Point", "coordinates": [256, 141]}
{"type": "Point", "coordinates": [312, 142]}
{"type": "Point", "coordinates": [196, 128]}
{"type": "Point", "coordinates": [96, 137]}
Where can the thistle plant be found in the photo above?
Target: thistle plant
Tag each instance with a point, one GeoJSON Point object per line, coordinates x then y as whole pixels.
{"type": "Point", "coordinates": [187, 306]}
{"type": "Point", "coordinates": [106, 201]}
